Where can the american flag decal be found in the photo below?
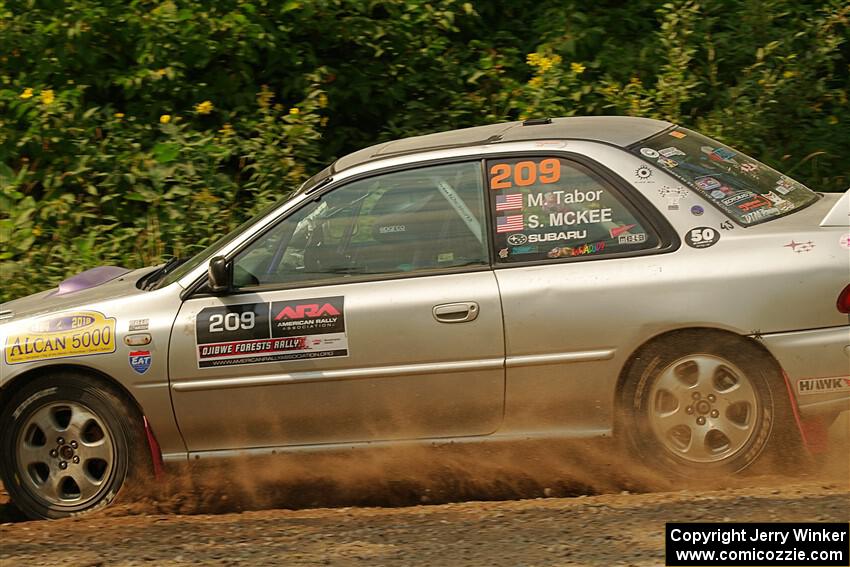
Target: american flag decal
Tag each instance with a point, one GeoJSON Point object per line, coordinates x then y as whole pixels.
{"type": "Point", "coordinates": [512, 223]}
{"type": "Point", "coordinates": [509, 202]}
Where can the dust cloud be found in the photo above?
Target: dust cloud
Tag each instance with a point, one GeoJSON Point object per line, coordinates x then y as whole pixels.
{"type": "Point", "coordinates": [449, 472]}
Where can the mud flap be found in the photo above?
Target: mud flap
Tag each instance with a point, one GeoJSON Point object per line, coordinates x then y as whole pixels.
{"type": "Point", "coordinates": [156, 452]}
{"type": "Point", "coordinates": [813, 431]}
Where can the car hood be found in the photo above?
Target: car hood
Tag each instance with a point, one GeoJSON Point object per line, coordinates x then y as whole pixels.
{"type": "Point", "coordinates": [107, 282]}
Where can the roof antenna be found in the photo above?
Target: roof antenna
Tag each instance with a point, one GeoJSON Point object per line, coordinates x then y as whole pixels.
{"type": "Point", "coordinates": [536, 121]}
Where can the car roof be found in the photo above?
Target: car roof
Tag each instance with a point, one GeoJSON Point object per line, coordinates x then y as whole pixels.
{"type": "Point", "coordinates": [617, 130]}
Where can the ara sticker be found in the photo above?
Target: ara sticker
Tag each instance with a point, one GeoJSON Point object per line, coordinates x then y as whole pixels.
{"type": "Point", "coordinates": [702, 237]}
{"type": "Point", "coordinates": [140, 360]}
{"type": "Point", "coordinates": [256, 333]}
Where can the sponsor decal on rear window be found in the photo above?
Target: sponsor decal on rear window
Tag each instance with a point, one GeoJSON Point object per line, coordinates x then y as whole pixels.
{"type": "Point", "coordinates": [81, 333]}
{"type": "Point", "coordinates": [256, 333]}
{"type": "Point", "coordinates": [746, 190]}
{"type": "Point", "coordinates": [551, 208]}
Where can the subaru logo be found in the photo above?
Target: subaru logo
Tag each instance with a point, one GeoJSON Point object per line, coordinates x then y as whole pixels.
{"type": "Point", "coordinates": [517, 239]}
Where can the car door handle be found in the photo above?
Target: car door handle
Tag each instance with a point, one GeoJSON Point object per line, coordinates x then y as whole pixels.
{"type": "Point", "coordinates": [456, 312]}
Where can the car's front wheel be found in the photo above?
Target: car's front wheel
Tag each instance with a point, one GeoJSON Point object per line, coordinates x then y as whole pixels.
{"type": "Point", "coordinates": [68, 444]}
{"type": "Point", "coordinates": [703, 405]}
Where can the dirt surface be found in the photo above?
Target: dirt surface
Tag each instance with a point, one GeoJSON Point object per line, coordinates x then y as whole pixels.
{"type": "Point", "coordinates": [610, 529]}
{"type": "Point", "coordinates": [588, 510]}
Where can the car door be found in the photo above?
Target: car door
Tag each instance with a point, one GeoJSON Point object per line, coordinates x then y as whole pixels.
{"type": "Point", "coordinates": [575, 260]}
{"type": "Point", "coordinates": [368, 314]}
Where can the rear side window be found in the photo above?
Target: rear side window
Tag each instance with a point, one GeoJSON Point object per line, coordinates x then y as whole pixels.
{"type": "Point", "coordinates": [746, 190]}
{"type": "Point", "coordinates": [549, 208]}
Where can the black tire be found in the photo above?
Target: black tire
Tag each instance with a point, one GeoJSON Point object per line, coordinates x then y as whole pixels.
{"type": "Point", "coordinates": [68, 444]}
{"type": "Point", "coordinates": [704, 404]}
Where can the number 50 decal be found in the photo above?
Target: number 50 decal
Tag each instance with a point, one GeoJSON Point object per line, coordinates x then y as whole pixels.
{"type": "Point", "coordinates": [524, 173]}
{"type": "Point", "coordinates": [702, 237]}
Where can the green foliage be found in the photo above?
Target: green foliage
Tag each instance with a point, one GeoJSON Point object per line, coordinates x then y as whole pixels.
{"type": "Point", "coordinates": [133, 131]}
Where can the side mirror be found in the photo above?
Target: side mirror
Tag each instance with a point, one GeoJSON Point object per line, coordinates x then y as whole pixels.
{"type": "Point", "coordinates": [219, 275]}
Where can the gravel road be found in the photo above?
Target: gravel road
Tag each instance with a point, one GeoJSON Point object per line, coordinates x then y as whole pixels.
{"type": "Point", "coordinates": [610, 529]}
{"type": "Point", "coordinates": [592, 521]}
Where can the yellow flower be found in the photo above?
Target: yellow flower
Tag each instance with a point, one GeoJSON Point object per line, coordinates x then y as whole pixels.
{"type": "Point", "coordinates": [789, 74]}
{"type": "Point", "coordinates": [36, 231]}
{"type": "Point", "coordinates": [159, 73]}
{"type": "Point", "coordinates": [119, 115]}
{"type": "Point", "coordinates": [26, 94]}
{"type": "Point", "coordinates": [533, 59]}
{"type": "Point", "coordinates": [226, 130]}
{"type": "Point", "coordinates": [536, 82]}
{"type": "Point", "coordinates": [324, 121]}
{"type": "Point", "coordinates": [204, 107]}
{"type": "Point", "coordinates": [577, 68]}
{"type": "Point", "coordinates": [265, 96]}
{"type": "Point", "coordinates": [165, 119]}
{"type": "Point", "coordinates": [323, 100]}
{"type": "Point", "coordinates": [832, 120]}
{"type": "Point", "coordinates": [293, 111]}
{"type": "Point", "coordinates": [47, 96]}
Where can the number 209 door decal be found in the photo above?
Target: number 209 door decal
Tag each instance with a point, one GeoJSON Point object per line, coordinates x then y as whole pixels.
{"type": "Point", "coordinates": [256, 333]}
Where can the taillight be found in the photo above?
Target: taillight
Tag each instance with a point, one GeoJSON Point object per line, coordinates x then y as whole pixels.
{"type": "Point", "coordinates": [843, 302]}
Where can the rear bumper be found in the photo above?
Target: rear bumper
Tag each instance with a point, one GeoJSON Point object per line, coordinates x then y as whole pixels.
{"type": "Point", "coordinates": [817, 363]}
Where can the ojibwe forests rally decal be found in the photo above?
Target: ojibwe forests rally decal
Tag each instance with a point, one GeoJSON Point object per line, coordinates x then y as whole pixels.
{"type": "Point", "coordinates": [79, 333]}
{"type": "Point", "coordinates": [256, 333]}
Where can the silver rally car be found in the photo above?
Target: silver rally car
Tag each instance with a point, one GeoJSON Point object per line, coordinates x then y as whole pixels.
{"type": "Point", "coordinates": [566, 278]}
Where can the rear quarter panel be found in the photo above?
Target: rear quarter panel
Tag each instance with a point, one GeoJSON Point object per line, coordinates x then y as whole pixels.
{"type": "Point", "coordinates": [751, 282]}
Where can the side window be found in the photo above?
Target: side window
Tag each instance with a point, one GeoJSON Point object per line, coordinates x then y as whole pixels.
{"type": "Point", "coordinates": [423, 219]}
{"type": "Point", "coordinates": [548, 208]}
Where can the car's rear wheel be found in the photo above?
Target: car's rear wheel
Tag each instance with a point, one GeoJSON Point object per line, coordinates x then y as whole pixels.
{"type": "Point", "coordinates": [69, 443]}
{"type": "Point", "coordinates": [703, 404]}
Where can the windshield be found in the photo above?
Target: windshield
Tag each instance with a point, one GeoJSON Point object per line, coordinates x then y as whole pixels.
{"type": "Point", "coordinates": [748, 191]}
{"type": "Point", "coordinates": [204, 255]}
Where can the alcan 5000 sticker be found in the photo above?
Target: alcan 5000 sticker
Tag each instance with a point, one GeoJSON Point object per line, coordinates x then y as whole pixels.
{"type": "Point", "coordinates": [255, 333]}
{"type": "Point", "coordinates": [75, 334]}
